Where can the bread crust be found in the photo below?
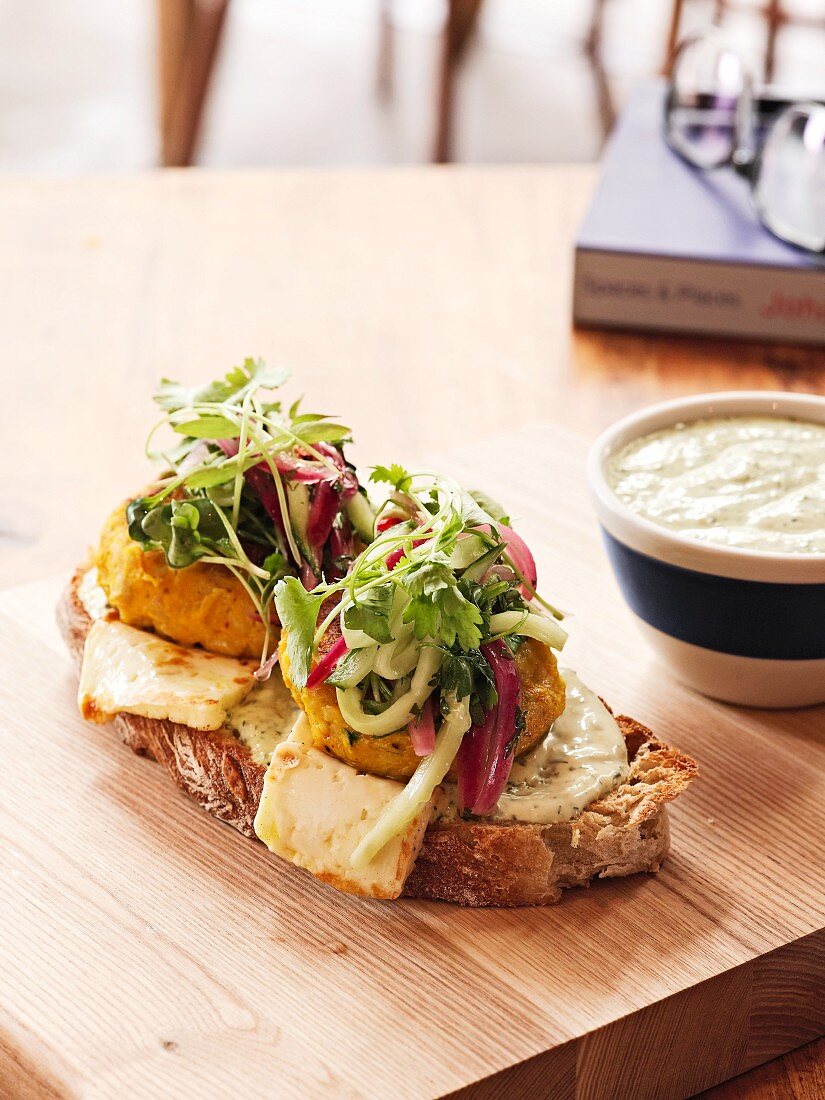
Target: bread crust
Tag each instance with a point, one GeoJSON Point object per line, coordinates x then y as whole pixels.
{"type": "Point", "coordinates": [215, 768]}
{"type": "Point", "coordinates": [508, 863]}
{"type": "Point", "coordinates": [467, 862]}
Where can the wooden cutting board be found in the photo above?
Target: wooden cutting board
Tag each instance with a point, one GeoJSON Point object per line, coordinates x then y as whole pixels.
{"type": "Point", "coordinates": [147, 950]}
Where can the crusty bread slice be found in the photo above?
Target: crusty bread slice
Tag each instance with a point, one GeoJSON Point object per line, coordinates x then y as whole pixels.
{"type": "Point", "coordinates": [471, 863]}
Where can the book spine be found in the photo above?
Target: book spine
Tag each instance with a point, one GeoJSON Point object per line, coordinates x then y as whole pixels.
{"type": "Point", "coordinates": [626, 290]}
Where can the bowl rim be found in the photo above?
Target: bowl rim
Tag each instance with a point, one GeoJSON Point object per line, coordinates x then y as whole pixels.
{"type": "Point", "coordinates": [677, 549]}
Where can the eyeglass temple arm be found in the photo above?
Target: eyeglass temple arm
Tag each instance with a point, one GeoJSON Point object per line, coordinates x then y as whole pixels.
{"type": "Point", "coordinates": [766, 104]}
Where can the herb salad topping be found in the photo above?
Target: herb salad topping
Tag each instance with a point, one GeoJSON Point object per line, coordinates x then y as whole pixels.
{"type": "Point", "coordinates": [430, 615]}
{"type": "Point", "coordinates": [413, 612]}
{"type": "Point", "coordinates": [264, 491]}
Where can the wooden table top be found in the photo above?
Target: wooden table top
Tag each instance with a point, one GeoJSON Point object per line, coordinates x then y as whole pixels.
{"type": "Point", "coordinates": [401, 298]}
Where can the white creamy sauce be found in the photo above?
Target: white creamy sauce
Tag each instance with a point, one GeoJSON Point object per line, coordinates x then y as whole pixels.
{"type": "Point", "coordinates": [757, 483]}
{"type": "Point", "coordinates": [91, 595]}
{"type": "Point", "coordinates": [581, 757]}
{"type": "Point", "coordinates": [265, 718]}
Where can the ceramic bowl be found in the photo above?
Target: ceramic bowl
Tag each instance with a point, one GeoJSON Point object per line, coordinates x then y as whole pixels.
{"type": "Point", "coordinates": [744, 626]}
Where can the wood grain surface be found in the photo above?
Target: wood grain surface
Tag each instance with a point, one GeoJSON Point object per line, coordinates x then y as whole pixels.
{"type": "Point", "coordinates": [147, 947]}
{"type": "Point", "coordinates": [429, 307]}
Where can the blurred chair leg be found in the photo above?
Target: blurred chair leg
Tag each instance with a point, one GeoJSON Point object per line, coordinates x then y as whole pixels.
{"type": "Point", "coordinates": [189, 33]}
{"type": "Point", "coordinates": [385, 67]}
{"type": "Point", "coordinates": [174, 18]}
{"type": "Point", "coordinates": [593, 53]}
{"type": "Point", "coordinates": [462, 17]}
{"type": "Point", "coordinates": [773, 13]}
{"type": "Point", "coordinates": [672, 36]}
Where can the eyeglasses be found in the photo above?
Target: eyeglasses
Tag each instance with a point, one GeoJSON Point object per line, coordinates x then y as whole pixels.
{"type": "Point", "coordinates": [714, 119]}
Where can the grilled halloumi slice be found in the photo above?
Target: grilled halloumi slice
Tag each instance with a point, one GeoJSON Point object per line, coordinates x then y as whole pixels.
{"type": "Point", "coordinates": [125, 669]}
{"type": "Point", "coordinates": [315, 810]}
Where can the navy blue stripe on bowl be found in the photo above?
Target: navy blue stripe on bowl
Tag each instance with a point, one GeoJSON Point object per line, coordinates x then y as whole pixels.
{"type": "Point", "coordinates": [747, 618]}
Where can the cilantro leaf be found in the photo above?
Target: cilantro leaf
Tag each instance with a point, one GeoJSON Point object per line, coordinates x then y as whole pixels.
{"type": "Point", "coordinates": [372, 613]}
{"type": "Point", "coordinates": [172, 396]}
{"type": "Point", "coordinates": [298, 611]}
{"type": "Point", "coordinates": [394, 475]}
{"type": "Point", "coordinates": [479, 509]}
{"type": "Point", "coordinates": [437, 609]}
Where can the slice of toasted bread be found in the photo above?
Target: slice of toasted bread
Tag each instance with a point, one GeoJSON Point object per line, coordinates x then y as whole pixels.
{"type": "Point", "coordinates": [471, 863]}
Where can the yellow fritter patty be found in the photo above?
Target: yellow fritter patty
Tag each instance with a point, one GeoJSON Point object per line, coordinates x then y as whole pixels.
{"type": "Point", "coordinates": [542, 699]}
{"type": "Point", "coordinates": [199, 605]}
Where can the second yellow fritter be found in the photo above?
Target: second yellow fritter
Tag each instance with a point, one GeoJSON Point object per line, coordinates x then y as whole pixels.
{"type": "Point", "coordinates": [542, 700]}
{"type": "Point", "coordinates": [203, 604]}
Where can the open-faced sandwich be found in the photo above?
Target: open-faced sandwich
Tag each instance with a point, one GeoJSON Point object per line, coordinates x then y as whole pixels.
{"type": "Point", "coordinates": [367, 683]}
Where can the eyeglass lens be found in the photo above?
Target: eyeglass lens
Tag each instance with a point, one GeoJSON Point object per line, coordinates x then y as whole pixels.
{"type": "Point", "coordinates": [709, 80]}
{"type": "Point", "coordinates": [789, 189]}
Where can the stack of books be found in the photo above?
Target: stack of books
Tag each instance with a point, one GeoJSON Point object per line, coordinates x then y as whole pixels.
{"type": "Point", "coordinates": [667, 247]}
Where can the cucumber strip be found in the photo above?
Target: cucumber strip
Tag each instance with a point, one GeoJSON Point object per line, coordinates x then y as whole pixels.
{"type": "Point", "coordinates": [299, 504]}
{"type": "Point", "coordinates": [360, 514]}
{"type": "Point", "coordinates": [479, 567]}
{"type": "Point", "coordinates": [352, 669]}
{"type": "Point", "coordinates": [529, 626]}
{"type": "Point", "coordinates": [355, 639]}
{"type": "Point", "coordinates": [395, 659]}
{"type": "Point", "coordinates": [396, 715]}
{"type": "Point", "coordinates": [400, 656]}
{"type": "Point", "coordinates": [418, 792]}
